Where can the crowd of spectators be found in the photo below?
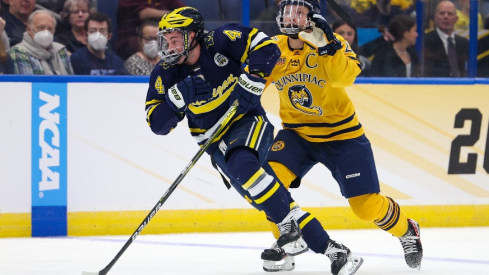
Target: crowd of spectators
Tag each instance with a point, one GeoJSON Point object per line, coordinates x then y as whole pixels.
{"type": "Point", "coordinates": [73, 38]}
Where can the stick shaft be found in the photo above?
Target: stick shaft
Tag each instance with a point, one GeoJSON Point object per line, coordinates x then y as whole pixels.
{"type": "Point", "coordinates": [340, 11]}
{"type": "Point", "coordinates": [222, 124]}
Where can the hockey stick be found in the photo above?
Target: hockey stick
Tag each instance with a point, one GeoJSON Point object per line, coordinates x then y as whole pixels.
{"type": "Point", "coordinates": [340, 11]}
{"type": "Point", "coordinates": [221, 125]}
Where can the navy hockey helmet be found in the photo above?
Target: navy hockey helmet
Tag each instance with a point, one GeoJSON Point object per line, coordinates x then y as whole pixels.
{"type": "Point", "coordinates": [181, 21]}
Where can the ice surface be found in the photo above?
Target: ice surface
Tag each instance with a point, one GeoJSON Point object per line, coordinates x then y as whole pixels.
{"type": "Point", "coordinates": [446, 251]}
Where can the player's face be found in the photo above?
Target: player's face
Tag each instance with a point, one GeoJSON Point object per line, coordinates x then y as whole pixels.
{"type": "Point", "coordinates": [295, 15]}
{"type": "Point", "coordinates": [347, 32]}
{"type": "Point", "coordinates": [172, 46]}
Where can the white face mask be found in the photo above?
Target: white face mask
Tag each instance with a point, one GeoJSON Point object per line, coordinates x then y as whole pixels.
{"type": "Point", "coordinates": [43, 38]}
{"type": "Point", "coordinates": [150, 49]}
{"type": "Point", "coordinates": [97, 41]}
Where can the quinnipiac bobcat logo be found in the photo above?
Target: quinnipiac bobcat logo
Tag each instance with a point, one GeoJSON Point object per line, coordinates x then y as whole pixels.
{"type": "Point", "coordinates": [301, 99]}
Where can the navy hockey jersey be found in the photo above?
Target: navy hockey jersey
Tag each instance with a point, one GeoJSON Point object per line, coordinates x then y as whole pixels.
{"type": "Point", "coordinates": [223, 52]}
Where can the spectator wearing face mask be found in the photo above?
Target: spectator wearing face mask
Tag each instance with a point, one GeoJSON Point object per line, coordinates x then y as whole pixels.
{"type": "Point", "coordinates": [37, 53]}
{"type": "Point", "coordinates": [94, 59]}
{"type": "Point", "coordinates": [143, 61]}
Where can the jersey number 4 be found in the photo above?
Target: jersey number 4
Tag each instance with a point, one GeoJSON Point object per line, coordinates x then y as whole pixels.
{"type": "Point", "coordinates": [160, 88]}
{"type": "Point", "coordinates": [232, 34]}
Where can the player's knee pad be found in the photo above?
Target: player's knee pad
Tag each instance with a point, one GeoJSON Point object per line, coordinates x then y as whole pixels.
{"type": "Point", "coordinates": [242, 163]}
{"type": "Point", "coordinates": [369, 207]}
{"type": "Point", "coordinates": [283, 173]}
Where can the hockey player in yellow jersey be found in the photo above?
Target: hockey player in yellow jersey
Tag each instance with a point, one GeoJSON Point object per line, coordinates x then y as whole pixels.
{"type": "Point", "coordinates": [320, 124]}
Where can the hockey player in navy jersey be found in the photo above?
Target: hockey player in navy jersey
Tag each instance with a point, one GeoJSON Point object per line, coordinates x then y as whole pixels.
{"type": "Point", "coordinates": [199, 77]}
{"type": "Point", "coordinates": [321, 125]}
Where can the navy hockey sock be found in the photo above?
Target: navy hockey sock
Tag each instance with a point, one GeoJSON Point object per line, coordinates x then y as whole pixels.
{"type": "Point", "coordinates": [313, 233]}
{"type": "Point", "coordinates": [243, 165]}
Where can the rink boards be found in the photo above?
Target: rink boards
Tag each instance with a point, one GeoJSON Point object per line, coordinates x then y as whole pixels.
{"type": "Point", "coordinates": [79, 159]}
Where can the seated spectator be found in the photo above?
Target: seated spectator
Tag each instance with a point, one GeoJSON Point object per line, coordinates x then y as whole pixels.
{"type": "Point", "coordinates": [349, 32]}
{"type": "Point", "coordinates": [16, 17]}
{"type": "Point", "coordinates": [6, 65]}
{"type": "Point", "coordinates": [398, 58]}
{"type": "Point", "coordinates": [74, 13]}
{"type": "Point", "coordinates": [94, 59]}
{"type": "Point", "coordinates": [445, 53]}
{"type": "Point", "coordinates": [4, 37]}
{"type": "Point", "coordinates": [143, 62]}
{"type": "Point", "coordinates": [130, 14]}
{"type": "Point", "coordinates": [37, 53]}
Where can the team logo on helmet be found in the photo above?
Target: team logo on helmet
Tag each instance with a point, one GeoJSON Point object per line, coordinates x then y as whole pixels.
{"type": "Point", "coordinates": [220, 60]}
{"type": "Point", "coordinates": [301, 99]}
{"type": "Point", "coordinates": [278, 145]}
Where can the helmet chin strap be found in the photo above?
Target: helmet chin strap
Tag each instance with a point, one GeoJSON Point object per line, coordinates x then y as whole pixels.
{"type": "Point", "coordinates": [293, 36]}
{"type": "Point", "coordinates": [192, 46]}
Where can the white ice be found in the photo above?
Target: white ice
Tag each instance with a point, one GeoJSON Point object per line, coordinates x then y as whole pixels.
{"type": "Point", "coordinates": [446, 251]}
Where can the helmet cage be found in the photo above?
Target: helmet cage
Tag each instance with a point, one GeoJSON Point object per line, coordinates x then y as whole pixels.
{"type": "Point", "coordinates": [172, 55]}
{"type": "Point", "coordinates": [286, 17]}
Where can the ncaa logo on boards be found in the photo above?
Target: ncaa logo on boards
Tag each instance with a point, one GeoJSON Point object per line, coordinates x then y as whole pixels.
{"type": "Point", "coordinates": [49, 159]}
{"type": "Point", "coordinates": [49, 142]}
{"type": "Point", "coordinates": [277, 146]}
{"type": "Point", "coordinates": [220, 60]}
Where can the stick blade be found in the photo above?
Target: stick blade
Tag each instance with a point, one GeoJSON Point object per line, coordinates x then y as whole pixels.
{"type": "Point", "coordinates": [90, 273]}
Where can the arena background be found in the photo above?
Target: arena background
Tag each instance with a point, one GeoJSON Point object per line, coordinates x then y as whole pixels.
{"type": "Point", "coordinates": [79, 159]}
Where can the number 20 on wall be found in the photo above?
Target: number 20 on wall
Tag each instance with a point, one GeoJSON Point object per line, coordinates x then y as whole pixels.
{"type": "Point", "coordinates": [454, 165]}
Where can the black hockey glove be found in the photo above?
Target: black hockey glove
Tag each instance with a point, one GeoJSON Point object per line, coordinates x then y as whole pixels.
{"type": "Point", "coordinates": [191, 89]}
{"type": "Point", "coordinates": [248, 92]}
{"type": "Point", "coordinates": [324, 45]}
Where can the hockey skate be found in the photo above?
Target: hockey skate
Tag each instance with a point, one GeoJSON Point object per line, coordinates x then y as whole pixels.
{"type": "Point", "coordinates": [275, 259]}
{"type": "Point", "coordinates": [289, 244]}
{"type": "Point", "coordinates": [411, 243]}
{"type": "Point", "coordinates": [343, 262]}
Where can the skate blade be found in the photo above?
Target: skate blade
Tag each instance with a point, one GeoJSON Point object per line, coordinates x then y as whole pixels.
{"type": "Point", "coordinates": [296, 248]}
{"type": "Point", "coordinates": [287, 264]}
{"type": "Point", "coordinates": [351, 266]}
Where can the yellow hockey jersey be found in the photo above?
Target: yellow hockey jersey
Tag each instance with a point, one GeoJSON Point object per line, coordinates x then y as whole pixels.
{"type": "Point", "coordinates": [313, 101]}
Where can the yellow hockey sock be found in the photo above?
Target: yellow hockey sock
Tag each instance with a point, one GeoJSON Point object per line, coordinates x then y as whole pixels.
{"type": "Point", "coordinates": [381, 210]}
